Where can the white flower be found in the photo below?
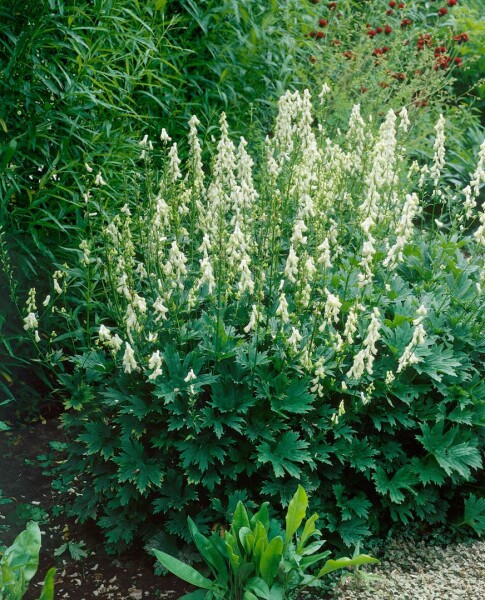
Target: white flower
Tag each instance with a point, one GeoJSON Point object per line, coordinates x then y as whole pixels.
{"type": "Point", "coordinates": [104, 334]}
{"type": "Point", "coordinates": [439, 151]}
{"type": "Point", "coordinates": [115, 343]}
{"type": "Point", "coordinates": [131, 320]}
{"type": "Point", "coordinates": [164, 136]}
{"type": "Point", "coordinates": [207, 274]}
{"type": "Point", "coordinates": [479, 234]}
{"type": "Point", "coordinates": [368, 252]}
{"type": "Point", "coordinates": [99, 179]}
{"type": "Point", "coordinates": [30, 321]}
{"type": "Point", "coordinates": [190, 376]}
{"type": "Point", "coordinates": [351, 323]}
{"type": "Point", "coordinates": [282, 310]}
{"type": "Point", "coordinates": [84, 246]}
{"type": "Point", "coordinates": [291, 267]}
{"type": "Point", "coordinates": [195, 157]}
{"type": "Point", "coordinates": [356, 138]}
{"type": "Point", "coordinates": [246, 283]}
{"type": "Point", "coordinates": [31, 303]}
{"type": "Point", "coordinates": [88, 168]}
{"type": "Point", "coordinates": [409, 357]}
{"type": "Point", "coordinates": [390, 377]}
{"type": "Point", "coordinates": [254, 318]}
{"type": "Point", "coordinates": [404, 231]}
{"type": "Point", "coordinates": [324, 254]}
{"type": "Point", "coordinates": [405, 122]}
{"type": "Point", "coordinates": [421, 312]}
{"type": "Point", "coordinates": [122, 287]}
{"type": "Point", "coordinates": [298, 231]}
{"type": "Point", "coordinates": [320, 374]}
{"type": "Point", "coordinates": [46, 301]}
{"type": "Point", "coordinates": [364, 359]}
{"type": "Point", "coordinates": [129, 362]}
{"type": "Point", "coordinates": [294, 339]}
{"type": "Point", "coordinates": [324, 92]}
{"type": "Point", "coordinates": [332, 308]}
{"type": "Point", "coordinates": [155, 363]}
{"type": "Point", "coordinates": [36, 336]}
{"type": "Point", "coordinates": [174, 165]}
{"type": "Point", "coordinates": [160, 309]}
{"type": "Point", "coordinates": [58, 275]}
{"type": "Point", "coordinates": [382, 174]}
{"type": "Point", "coordinates": [176, 265]}
{"type": "Point", "coordinates": [341, 411]}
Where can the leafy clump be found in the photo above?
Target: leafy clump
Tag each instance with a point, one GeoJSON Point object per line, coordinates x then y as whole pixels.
{"type": "Point", "coordinates": [254, 559]}
{"type": "Point", "coordinates": [310, 312]}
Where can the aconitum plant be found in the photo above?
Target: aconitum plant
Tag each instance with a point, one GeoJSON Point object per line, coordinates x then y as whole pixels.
{"type": "Point", "coordinates": [309, 313]}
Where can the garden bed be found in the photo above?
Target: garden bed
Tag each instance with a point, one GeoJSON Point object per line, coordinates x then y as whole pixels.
{"type": "Point", "coordinates": [426, 568]}
{"type": "Point", "coordinates": [28, 495]}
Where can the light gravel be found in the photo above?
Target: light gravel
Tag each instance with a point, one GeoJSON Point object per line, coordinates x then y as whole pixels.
{"type": "Point", "coordinates": [415, 570]}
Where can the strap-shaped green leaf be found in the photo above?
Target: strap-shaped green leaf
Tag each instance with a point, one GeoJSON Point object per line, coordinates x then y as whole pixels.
{"type": "Point", "coordinates": [308, 530]}
{"type": "Point", "coordinates": [270, 560]}
{"type": "Point", "coordinates": [296, 513]}
{"type": "Point", "coordinates": [240, 519]}
{"type": "Point", "coordinates": [183, 571]}
{"type": "Point", "coordinates": [209, 553]}
{"type": "Point", "coordinates": [48, 587]}
{"type": "Point", "coordinates": [247, 539]}
{"type": "Point", "coordinates": [258, 586]}
{"type": "Point", "coordinates": [341, 563]}
{"type": "Point", "coordinates": [307, 561]}
{"type": "Point", "coordinates": [262, 516]}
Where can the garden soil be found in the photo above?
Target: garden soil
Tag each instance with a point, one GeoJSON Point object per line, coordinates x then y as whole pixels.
{"type": "Point", "coordinates": [98, 576]}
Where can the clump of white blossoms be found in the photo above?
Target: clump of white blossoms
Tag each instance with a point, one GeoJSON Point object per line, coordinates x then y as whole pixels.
{"type": "Point", "coordinates": [155, 365]}
{"type": "Point", "coordinates": [409, 357]}
{"type": "Point", "coordinates": [298, 253]}
{"type": "Point", "coordinates": [364, 359]}
{"type": "Point", "coordinates": [30, 321]}
{"type": "Point", "coordinates": [404, 231]}
{"type": "Point", "coordinates": [472, 191]}
{"type": "Point", "coordinates": [439, 152]}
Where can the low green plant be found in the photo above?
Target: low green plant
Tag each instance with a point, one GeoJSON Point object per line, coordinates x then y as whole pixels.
{"type": "Point", "coordinates": [18, 564]}
{"type": "Point", "coordinates": [76, 550]}
{"type": "Point", "coordinates": [254, 558]}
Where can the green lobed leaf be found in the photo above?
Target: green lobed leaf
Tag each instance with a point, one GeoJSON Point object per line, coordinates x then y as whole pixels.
{"type": "Point", "coordinates": [474, 515]}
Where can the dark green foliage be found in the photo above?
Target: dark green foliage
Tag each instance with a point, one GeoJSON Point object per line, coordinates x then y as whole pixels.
{"type": "Point", "coordinates": [150, 454]}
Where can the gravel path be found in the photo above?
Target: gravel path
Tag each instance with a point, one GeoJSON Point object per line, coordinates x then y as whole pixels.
{"type": "Point", "coordinates": [411, 570]}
